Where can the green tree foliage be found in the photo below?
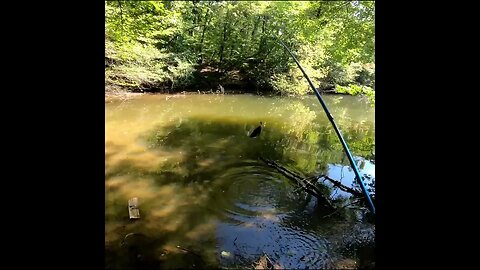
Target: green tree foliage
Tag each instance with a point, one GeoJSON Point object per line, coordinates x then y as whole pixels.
{"type": "Point", "coordinates": [169, 40]}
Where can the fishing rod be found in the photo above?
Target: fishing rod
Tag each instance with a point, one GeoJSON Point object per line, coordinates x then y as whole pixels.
{"type": "Point", "coordinates": [344, 144]}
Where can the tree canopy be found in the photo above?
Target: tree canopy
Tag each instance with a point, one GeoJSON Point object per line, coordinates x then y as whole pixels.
{"type": "Point", "coordinates": [169, 43]}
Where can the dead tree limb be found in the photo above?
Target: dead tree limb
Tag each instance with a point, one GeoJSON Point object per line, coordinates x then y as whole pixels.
{"type": "Point", "coordinates": [308, 184]}
{"type": "Point", "coordinates": [302, 182]}
{"type": "Point", "coordinates": [342, 187]}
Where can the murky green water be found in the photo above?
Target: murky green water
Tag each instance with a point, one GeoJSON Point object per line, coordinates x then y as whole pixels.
{"type": "Point", "coordinates": [207, 200]}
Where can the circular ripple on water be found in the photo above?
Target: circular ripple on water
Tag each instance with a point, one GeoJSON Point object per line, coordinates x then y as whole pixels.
{"type": "Point", "coordinates": [257, 205]}
{"type": "Point", "coordinates": [253, 189]}
{"type": "Point", "coordinates": [261, 215]}
{"type": "Point", "coordinates": [300, 248]}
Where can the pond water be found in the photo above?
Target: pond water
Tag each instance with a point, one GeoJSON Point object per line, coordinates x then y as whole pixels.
{"type": "Point", "coordinates": [207, 200]}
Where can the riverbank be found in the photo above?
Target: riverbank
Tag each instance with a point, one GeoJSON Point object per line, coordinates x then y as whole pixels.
{"type": "Point", "coordinates": [122, 93]}
{"type": "Point", "coordinates": [146, 70]}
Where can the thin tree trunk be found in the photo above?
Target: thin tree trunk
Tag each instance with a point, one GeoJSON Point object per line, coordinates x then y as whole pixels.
{"type": "Point", "coordinates": [203, 33]}
{"type": "Point", "coordinates": [222, 46]}
{"type": "Point", "coordinates": [121, 14]}
{"type": "Point", "coordinates": [263, 38]}
{"type": "Point", "coordinates": [232, 44]}
{"type": "Point", "coordinates": [195, 18]}
{"type": "Point", "coordinates": [255, 26]}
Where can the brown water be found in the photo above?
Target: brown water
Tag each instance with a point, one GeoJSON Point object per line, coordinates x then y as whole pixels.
{"type": "Point", "coordinates": [207, 200]}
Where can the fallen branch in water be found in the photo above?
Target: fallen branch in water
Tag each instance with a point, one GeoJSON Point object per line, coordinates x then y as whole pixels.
{"type": "Point", "coordinates": [342, 187]}
{"type": "Point", "coordinates": [356, 193]}
{"type": "Point", "coordinates": [345, 206]}
{"type": "Point", "coordinates": [308, 185]}
{"type": "Point", "coordinates": [302, 182]}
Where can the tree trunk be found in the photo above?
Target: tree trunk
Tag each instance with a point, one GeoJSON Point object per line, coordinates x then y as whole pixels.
{"type": "Point", "coordinates": [255, 26]}
{"type": "Point", "coordinates": [203, 33]}
{"type": "Point", "coordinates": [121, 15]}
{"type": "Point", "coordinates": [263, 38]}
{"type": "Point", "coordinates": [195, 18]}
{"type": "Point", "coordinates": [222, 46]}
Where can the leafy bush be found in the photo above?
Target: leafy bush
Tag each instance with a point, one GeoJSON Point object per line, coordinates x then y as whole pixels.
{"type": "Point", "coordinates": [294, 82]}
{"type": "Point", "coordinates": [362, 74]}
{"type": "Point", "coordinates": [181, 74]}
{"type": "Point", "coordinates": [142, 64]}
{"type": "Point", "coordinates": [336, 74]}
{"type": "Point", "coordinates": [354, 89]}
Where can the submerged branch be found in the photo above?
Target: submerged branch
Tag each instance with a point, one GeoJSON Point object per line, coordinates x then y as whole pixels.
{"type": "Point", "coordinates": [308, 185]}
{"type": "Point", "coordinates": [339, 185]}
{"type": "Point", "coordinates": [302, 182]}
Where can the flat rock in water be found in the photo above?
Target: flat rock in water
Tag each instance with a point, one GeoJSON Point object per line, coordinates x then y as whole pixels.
{"type": "Point", "coordinates": [133, 210]}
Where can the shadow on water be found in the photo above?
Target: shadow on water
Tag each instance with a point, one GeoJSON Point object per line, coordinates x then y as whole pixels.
{"type": "Point", "coordinates": [208, 201]}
